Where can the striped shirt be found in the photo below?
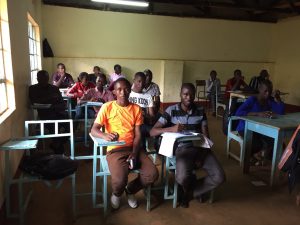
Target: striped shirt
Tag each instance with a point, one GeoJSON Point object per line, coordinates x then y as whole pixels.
{"type": "Point", "coordinates": [192, 120]}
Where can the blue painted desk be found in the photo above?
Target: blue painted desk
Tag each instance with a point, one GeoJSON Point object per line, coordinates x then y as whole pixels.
{"type": "Point", "coordinates": [86, 105]}
{"type": "Point", "coordinates": [277, 128]}
{"type": "Point", "coordinates": [100, 143]}
{"type": "Point", "coordinates": [10, 146]}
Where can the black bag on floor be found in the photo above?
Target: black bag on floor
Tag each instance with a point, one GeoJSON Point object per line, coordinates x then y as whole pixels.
{"type": "Point", "coordinates": [48, 166]}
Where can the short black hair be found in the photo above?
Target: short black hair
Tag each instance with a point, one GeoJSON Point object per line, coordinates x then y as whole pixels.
{"type": "Point", "coordinates": [122, 79]}
{"type": "Point", "coordinates": [189, 86]}
{"type": "Point", "coordinates": [140, 74]}
{"type": "Point", "coordinates": [83, 75]}
{"type": "Point", "coordinates": [117, 65]}
{"type": "Point", "coordinates": [148, 71]}
{"type": "Point", "coordinates": [266, 83]}
{"type": "Point", "coordinates": [97, 67]}
{"type": "Point", "coordinates": [62, 65]}
{"type": "Point", "coordinates": [41, 74]}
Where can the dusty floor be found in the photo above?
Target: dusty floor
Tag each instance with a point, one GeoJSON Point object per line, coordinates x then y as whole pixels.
{"type": "Point", "coordinates": [237, 201]}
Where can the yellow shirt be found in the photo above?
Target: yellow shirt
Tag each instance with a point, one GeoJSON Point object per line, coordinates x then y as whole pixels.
{"type": "Point", "coordinates": [122, 120]}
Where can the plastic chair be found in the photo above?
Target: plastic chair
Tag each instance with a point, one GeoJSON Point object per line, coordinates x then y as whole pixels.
{"type": "Point", "coordinates": [99, 161]}
{"type": "Point", "coordinates": [220, 99]}
{"type": "Point", "coordinates": [234, 135]}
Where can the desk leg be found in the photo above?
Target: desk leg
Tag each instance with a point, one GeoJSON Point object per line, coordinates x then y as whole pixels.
{"type": "Point", "coordinates": [69, 102]}
{"type": "Point", "coordinates": [277, 150]}
{"type": "Point", "coordinates": [94, 191]}
{"type": "Point", "coordinates": [7, 183]}
{"type": "Point", "coordinates": [85, 125]}
{"type": "Point", "coordinates": [246, 151]}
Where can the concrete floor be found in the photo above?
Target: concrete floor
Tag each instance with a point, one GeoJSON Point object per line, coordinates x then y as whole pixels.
{"type": "Point", "coordinates": [237, 201]}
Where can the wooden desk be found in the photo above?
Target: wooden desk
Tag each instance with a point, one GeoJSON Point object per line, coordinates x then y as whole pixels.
{"type": "Point", "coordinates": [277, 128]}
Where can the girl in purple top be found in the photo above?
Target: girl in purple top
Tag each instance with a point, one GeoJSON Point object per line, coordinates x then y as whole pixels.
{"type": "Point", "coordinates": [61, 79]}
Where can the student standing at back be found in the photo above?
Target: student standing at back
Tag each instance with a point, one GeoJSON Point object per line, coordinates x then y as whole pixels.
{"type": "Point", "coordinates": [115, 76]}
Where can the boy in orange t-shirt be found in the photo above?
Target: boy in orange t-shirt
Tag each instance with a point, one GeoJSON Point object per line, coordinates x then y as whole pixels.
{"type": "Point", "coordinates": [122, 121]}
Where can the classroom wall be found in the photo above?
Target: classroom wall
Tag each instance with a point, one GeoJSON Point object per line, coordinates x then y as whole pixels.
{"type": "Point", "coordinates": [286, 51]}
{"type": "Point", "coordinates": [13, 126]}
{"type": "Point", "coordinates": [134, 40]}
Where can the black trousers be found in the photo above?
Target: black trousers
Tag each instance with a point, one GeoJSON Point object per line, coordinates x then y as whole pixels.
{"type": "Point", "coordinates": [190, 158]}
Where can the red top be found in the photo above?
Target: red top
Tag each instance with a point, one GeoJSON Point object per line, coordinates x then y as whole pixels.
{"type": "Point", "coordinates": [230, 83]}
{"type": "Point", "coordinates": [79, 89]}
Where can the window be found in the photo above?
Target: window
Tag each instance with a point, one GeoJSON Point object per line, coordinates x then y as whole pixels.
{"type": "Point", "coordinates": [7, 102]}
{"type": "Point", "coordinates": [34, 48]}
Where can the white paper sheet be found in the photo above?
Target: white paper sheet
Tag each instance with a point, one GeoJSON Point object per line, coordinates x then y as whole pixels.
{"type": "Point", "coordinates": [169, 138]}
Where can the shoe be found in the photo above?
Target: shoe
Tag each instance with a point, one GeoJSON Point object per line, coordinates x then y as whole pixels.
{"type": "Point", "coordinates": [204, 197]}
{"type": "Point", "coordinates": [115, 201]}
{"type": "Point", "coordinates": [132, 201]}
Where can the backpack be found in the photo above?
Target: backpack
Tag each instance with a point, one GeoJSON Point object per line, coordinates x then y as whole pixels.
{"type": "Point", "coordinates": [48, 166]}
{"type": "Point", "coordinates": [292, 163]}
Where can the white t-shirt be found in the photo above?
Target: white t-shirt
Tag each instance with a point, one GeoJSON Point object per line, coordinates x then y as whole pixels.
{"type": "Point", "coordinates": [141, 99]}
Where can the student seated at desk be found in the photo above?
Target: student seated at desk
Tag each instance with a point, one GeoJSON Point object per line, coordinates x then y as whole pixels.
{"type": "Point", "coordinates": [255, 81]}
{"type": "Point", "coordinates": [262, 105]}
{"type": "Point", "coordinates": [122, 120]}
{"type": "Point", "coordinates": [45, 93]}
{"type": "Point", "coordinates": [235, 83]}
{"type": "Point", "coordinates": [93, 76]}
{"type": "Point", "coordinates": [145, 102]}
{"type": "Point", "coordinates": [97, 94]}
{"type": "Point", "coordinates": [187, 116]}
{"type": "Point", "coordinates": [61, 79]}
{"type": "Point", "coordinates": [78, 90]}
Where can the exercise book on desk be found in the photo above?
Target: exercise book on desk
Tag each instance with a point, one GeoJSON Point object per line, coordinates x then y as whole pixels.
{"type": "Point", "coordinates": [169, 139]}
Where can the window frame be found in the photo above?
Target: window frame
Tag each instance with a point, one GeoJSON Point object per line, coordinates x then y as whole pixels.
{"type": "Point", "coordinates": [6, 76]}
{"type": "Point", "coordinates": [34, 48]}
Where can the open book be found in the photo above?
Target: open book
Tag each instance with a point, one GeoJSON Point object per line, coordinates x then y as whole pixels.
{"type": "Point", "coordinates": [169, 139]}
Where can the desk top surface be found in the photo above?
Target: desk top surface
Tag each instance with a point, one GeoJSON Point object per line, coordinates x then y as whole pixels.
{"type": "Point", "coordinates": [91, 104]}
{"type": "Point", "coordinates": [102, 142]}
{"type": "Point", "coordinates": [241, 94]}
{"type": "Point", "coordinates": [287, 121]}
{"type": "Point", "coordinates": [19, 144]}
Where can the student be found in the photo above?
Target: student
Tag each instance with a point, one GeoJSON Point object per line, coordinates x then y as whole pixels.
{"type": "Point", "coordinates": [97, 94]}
{"type": "Point", "coordinates": [235, 83]}
{"type": "Point", "coordinates": [254, 83]}
{"type": "Point", "coordinates": [152, 89]}
{"type": "Point", "coordinates": [187, 116]}
{"type": "Point", "coordinates": [262, 105]}
{"type": "Point", "coordinates": [115, 76]}
{"type": "Point", "coordinates": [45, 93]}
{"type": "Point", "coordinates": [60, 78]}
{"type": "Point", "coordinates": [93, 76]}
{"type": "Point", "coordinates": [145, 102]}
{"type": "Point", "coordinates": [213, 84]}
{"type": "Point", "coordinates": [80, 87]}
{"type": "Point", "coordinates": [78, 90]}
{"type": "Point", "coordinates": [122, 121]}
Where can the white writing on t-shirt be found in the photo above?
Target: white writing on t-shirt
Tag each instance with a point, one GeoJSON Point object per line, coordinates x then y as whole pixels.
{"type": "Point", "coordinates": [139, 101]}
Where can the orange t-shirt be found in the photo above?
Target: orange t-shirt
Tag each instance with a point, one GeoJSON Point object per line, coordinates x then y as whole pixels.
{"type": "Point", "coordinates": [120, 119]}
